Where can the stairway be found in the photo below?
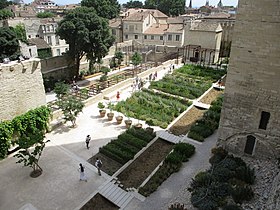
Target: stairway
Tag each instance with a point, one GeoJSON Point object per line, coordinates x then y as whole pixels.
{"type": "Point", "coordinates": [112, 191]}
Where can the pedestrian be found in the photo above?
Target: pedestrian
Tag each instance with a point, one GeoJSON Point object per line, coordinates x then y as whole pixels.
{"type": "Point", "coordinates": [98, 165]}
{"type": "Point", "coordinates": [150, 76]}
{"type": "Point", "coordinates": [220, 82]}
{"type": "Point", "coordinates": [82, 173]}
{"type": "Point", "coordinates": [118, 95]}
{"type": "Point", "coordinates": [88, 138]}
{"type": "Point", "coordinates": [155, 74]}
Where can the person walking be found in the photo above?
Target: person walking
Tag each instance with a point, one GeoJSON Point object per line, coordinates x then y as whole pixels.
{"type": "Point", "coordinates": [82, 173]}
{"type": "Point", "coordinates": [98, 165]}
{"type": "Point", "coordinates": [118, 95]}
{"type": "Point", "coordinates": [88, 138]}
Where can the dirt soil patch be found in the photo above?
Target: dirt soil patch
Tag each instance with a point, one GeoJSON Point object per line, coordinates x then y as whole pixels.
{"type": "Point", "coordinates": [109, 165]}
{"type": "Point", "coordinates": [100, 203]}
{"type": "Point", "coordinates": [211, 96]}
{"type": "Point", "coordinates": [183, 125]}
{"type": "Point", "coordinates": [136, 173]}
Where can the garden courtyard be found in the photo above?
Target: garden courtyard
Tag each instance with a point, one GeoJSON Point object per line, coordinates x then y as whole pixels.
{"type": "Point", "coordinates": [59, 186]}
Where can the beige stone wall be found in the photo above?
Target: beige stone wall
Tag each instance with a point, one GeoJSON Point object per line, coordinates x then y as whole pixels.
{"type": "Point", "coordinates": [21, 88]}
{"type": "Point", "coordinates": [253, 80]}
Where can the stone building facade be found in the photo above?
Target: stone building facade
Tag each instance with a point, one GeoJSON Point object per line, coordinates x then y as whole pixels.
{"type": "Point", "coordinates": [21, 88]}
{"type": "Point", "coordinates": [250, 119]}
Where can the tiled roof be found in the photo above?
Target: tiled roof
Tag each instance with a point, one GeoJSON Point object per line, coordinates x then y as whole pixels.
{"type": "Point", "coordinates": [40, 43]}
{"type": "Point", "coordinates": [204, 26]}
{"type": "Point", "coordinates": [174, 20]}
{"type": "Point", "coordinates": [115, 23]}
{"type": "Point", "coordinates": [156, 29]}
{"type": "Point", "coordinates": [175, 28]}
{"type": "Point", "coordinates": [220, 15]}
{"type": "Point", "coordinates": [140, 14]}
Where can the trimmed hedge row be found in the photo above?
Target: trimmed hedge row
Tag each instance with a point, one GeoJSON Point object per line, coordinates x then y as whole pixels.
{"type": "Point", "coordinates": [209, 122]}
{"type": "Point", "coordinates": [127, 144]}
{"type": "Point", "coordinates": [172, 163]}
{"type": "Point", "coordinates": [228, 176]}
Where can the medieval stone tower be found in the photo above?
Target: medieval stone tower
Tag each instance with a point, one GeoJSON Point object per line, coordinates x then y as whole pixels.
{"type": "Point", "coordinates": [250, 120]}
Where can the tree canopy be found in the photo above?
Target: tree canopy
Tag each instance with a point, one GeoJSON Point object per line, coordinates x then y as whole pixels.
{"type": "Point", "coordinates": [136, 59]}
{"type": "Point", "coordinates": [87, 34]}
{"type": "Point", "coordinates": [168, 7]}
{"type": "Point", "coordinates": [5, 3]}
{"type": "Point", "coordinates": [104, 8]}
{"type": "Point", "coordinates": [8, 42]}
{"type": "Point", "coordinates": [5, 14]}
{"type": "Point", "coordinates": [133, 4]}
{"type": "Point", "coordinates": [45, 15]}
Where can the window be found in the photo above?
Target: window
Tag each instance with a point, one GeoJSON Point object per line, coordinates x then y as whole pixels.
{"type": "Point", "coordinates": [161, 37]}
{"type": "Point", "coordinates": [177, 38]}
{"type": "Point", "coordinates": [152, 37]}
{"type": "Point", "coordinates": [58, 51]}
{"type": "Point", "coordinates": [135, 36]}
{"type": "Point", "coordinates": [66, 49]}
{"type": "Point", "coordinates": [169, 37]}
{"type": "Point", "coordinates": [29, 36]}
{"type": "Point", "coordinates": [126, 36]}
{"type": "Point", "coordinates": [37, 35]}
{"type": "Point", "coordinates": [49, 41]}
{"type": "Point", "coordinates": [264, 120]}
{"type": "Point", "coordinates": [56, 40]}
{"type": "Point", "coordinates": [250, 144]}
{"type": "Point", "coordinates": [145, 36]}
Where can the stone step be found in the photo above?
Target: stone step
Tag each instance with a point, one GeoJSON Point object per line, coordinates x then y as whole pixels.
{"type": "Point", "coordinates": [105, 190]}
{"type": "Point", "coordinates": [123, 200]}
{"type": "Point", "coordinates": [126, 201]}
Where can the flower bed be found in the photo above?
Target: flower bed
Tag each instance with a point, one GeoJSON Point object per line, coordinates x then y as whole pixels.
{"type": "Point", "coordinates": [172, 163]}
{"type": "Point", "coordinates": [182, 85]}
{"type": "Point", "coordinates": [127, 145]}
{"type": "Point", "coordinates": [143, 166]}
{"type": "Point", "coordinates": [156, 109]}
{"type": "Point", "coordinates": [209, 122]}
{"type": "Point", "coordinates": [229, 178]}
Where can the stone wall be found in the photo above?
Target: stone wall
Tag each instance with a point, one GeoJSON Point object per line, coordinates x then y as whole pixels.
{"type": "Point", "coordinates": [21, 88]}
{"type": "Point", "coordinates": [253, 81]}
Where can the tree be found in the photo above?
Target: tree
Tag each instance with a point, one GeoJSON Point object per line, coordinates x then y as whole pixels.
{"type": "Point", "coordinates": [71, 106]}
{"type": "Point", "coordinates": [20, 32]}
{"type": "Point", "coordinates": [8, 42]}
{"type": "Point", "coordinates": [133, 4]}
{"type": "Point", "coordinates": [168, 7]}
{"type": "Point", "coordinates": [136, 59]}
{"type": "Point", "coordinates": [45, 15]}
{"type": "Point", "coordinates": [30, 156]}
{"type": "Point", "coordinates": [119, 56]}
{"type": "Point", "coordinates": [108, 9]}
{"type": "Point", "coordinates": [87, 34]}
{"type": "Point", "coordinates": [5, 3]}
{"type": "Point", "coordinates": [61, 89]}
{"type": "Point", "coordinates": [5, 14]}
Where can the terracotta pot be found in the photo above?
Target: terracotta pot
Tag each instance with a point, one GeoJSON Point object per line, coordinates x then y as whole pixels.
{"type": "Point", "coordinates": [110, 116]}
{"type": "Point", "coordinates": [128, 123]}
{"type": "Point", "coordinates": [102, 113]}
{"type": "Point", "coordinates": [138, 126]}
{"type": "Point", "coordinates": [119, 119]}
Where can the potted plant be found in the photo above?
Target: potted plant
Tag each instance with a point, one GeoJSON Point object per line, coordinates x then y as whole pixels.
{"type": "Point", "coordinates": [101, 107]}
{"type": "Point", "coordinates": [138, 125]}
{"type": "Point", "coordinates": [110, 115]}
{"type": "Point", "coordinates": [119, 119]}
{"type": "Point", "coordinates": [128, 122]}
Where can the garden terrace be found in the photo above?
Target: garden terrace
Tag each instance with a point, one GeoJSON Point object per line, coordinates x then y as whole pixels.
{"type": "Point", "coordinates": [206, 126]}
{"type": "Point", "coordinates": [123, 149]}
{"type": "Point", "coordinates": [188, 81]}
{"type": "Point", "coordinates": [156, 109]}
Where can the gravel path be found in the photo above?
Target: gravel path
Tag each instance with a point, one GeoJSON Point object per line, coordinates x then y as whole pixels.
{"type": "Point", "coordinates": [174, 189]}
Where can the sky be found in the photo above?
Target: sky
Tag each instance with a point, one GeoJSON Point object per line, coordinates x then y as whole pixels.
{"type": "Point", "coordinates": [195, 3]}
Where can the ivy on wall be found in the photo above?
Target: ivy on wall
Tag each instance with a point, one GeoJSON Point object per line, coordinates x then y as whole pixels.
{"type": "Point", "coordinates": [17, 130]}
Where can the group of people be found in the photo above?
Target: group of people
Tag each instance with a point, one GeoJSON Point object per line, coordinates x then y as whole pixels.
{"type": "Point", "coordinates": [137, 84]}
{"type": "Point", "coordinates": [153, 76]}
{"type": "Point", "coordinates": [98, 163]}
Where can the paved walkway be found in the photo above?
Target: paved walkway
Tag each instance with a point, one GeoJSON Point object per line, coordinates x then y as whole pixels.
{"type": "Point", "coordinates": [59, 186]}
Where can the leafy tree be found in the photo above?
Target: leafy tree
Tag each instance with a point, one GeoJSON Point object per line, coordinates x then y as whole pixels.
{"type": "Point", "coordinates": [136, 59]}
{"type": "Point", "coordinates": [5, 3]}
{"type": "Point", "coordinates": [20, 32]}
{"type": "Point", "coordinates": [8, 42]}
{"type": "Point", "coordinates": [61, 89]}
{"type": "Point", "coordinates": [87, 34]}
{"type": "Point", "coordinates": [168, 7]}
{"type": "Point", "coordinates": [6, 132]}
{"type": "Point", "coordinates": [133, 4]}
{"type": "Point", "coordinates": [108, 9]}
{"type": "Point", "coordinates": [45, 15]}
{"type": "Point", "coordinates": [71, 106]}
{"type": "Point", "coordinates": [119, 56]}
{"type": "Point", "coordinates": [5, 14]}
{"type": "Point", "coordinates": [30, 156]}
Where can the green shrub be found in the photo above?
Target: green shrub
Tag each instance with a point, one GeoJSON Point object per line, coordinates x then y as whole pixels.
{"type": "Point", "coordinates": [141, 134]}
{"type": "Point", "coordinates": [202, 179]}
{"type": "Point", "coordinates": [245, 174]}
{"type": "Point", "coordinates": [6, 132]}
{"type": "Point", "coordinates": [242, 193]}
{"type": "Point", "coordinates": [174, 158]}
{"type": "Point", "coordinates": [130, 139]}
{"type": "Point", "coordinates": [195, 136]}
{"type": "Point", "coordinates": [185, 150]}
